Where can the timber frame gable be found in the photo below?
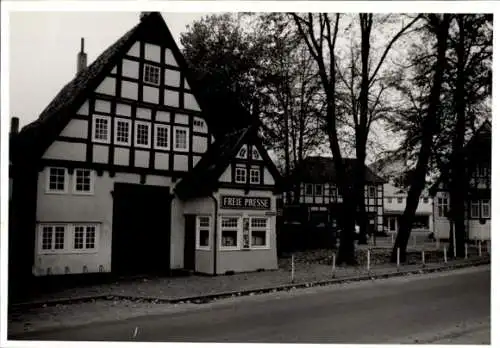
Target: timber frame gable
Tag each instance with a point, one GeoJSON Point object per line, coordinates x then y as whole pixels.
{"type": "Point", "coordinates": [82, 100]}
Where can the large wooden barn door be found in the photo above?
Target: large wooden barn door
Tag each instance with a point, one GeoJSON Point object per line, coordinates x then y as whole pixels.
{"type": "Point", "coordinates": [141, 229]}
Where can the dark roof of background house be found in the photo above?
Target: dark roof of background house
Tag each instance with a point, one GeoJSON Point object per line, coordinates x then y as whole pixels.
{"type": "Point", "coordinates": [478, 148]}
{"type": "Point", "coordinates": [316, 169]}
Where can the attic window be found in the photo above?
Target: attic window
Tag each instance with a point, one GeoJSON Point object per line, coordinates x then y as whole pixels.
{"type": "Point", "coordinates": [152, 74]}
{"type": "Point", "coordinates": [255, 153]}
{"type": "Point", "coordinates": [198, 123]}
{"type": "Point", "coordinates": [243, 152]}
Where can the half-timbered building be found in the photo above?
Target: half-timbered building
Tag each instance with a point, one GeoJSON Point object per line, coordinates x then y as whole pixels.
{"type": "Point", "coordinates": [477, 207]}
{"type": "Point", "coordinates": [313, 197]}
{"type": "Point", "coordinates": [127, 171]}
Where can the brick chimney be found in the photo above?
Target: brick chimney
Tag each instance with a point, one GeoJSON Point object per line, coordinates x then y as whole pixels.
{"type": "Point", "coordinates": [14, 125]}
{"type": "Point", "coordinates": [81, 62]}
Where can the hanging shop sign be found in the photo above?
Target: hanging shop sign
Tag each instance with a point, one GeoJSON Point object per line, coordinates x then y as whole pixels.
{"type": "Point", "coordinates": [241, 202]}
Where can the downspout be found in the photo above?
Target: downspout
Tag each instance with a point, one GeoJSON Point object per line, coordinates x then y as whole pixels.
{"type": "Point", "coordinates": [216, 211]}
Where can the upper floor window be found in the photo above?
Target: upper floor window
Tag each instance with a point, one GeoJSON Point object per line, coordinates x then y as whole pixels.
{"type": "Point", "coordinates": [318, 189]}
{"type": "Point", "coordinates": [122, 132]}
{"type": "Point", "coordinates": [142, 134]}
{"type": "Point", "coordinates": [255, 175]}
{"type": "Point", "coordinates": [480, 208]}
{"type": "Point", "coordinates": [181, 138]}
{"type": "Point", "coordinates": [425, 200]}
{"type": "Point", "coordinates": [83, 181]}
{"type": "Point", "coordinates": [485, 208]}
{"type": "Point", "coordinates": [309, 189]}
{"type": "Point", "coordinates": [372, 192]}
{"type": "Point", "coordinates": [101, 129]}
{"type": "Point", "coordinates": [389, 200]}
{"type": "Point", "coordinates": [240, 174]}
{"type": "Point", "coordinates": [151, 74]}
{"type": "Point", "coordinates": [255, 153]}
{"type": "Point", "coordinates": [442, 206]}
{"type": "Point", "coordinates": [243, 152]}
{"type": "Point", "coordinates": [57, 180]}
{"type": "Point", "coordinates": [162, 137]}
{"type": "Point", "coordinates": [400, 200]}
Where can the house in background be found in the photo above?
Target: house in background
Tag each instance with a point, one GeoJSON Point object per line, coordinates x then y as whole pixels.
{"type": "Point", "coordinates": [395, 204]}
{"type": "Point", "coordinates": [478, 200]}
{"type": "Point", "coordinates": [312, 197]}
{"type": "Point", "coordinates": [132, 170]}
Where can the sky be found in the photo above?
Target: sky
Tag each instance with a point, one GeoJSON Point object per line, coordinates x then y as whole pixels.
{"type": "Point", "coordinates": [44, 47]}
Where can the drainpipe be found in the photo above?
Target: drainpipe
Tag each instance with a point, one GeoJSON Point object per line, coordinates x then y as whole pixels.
{"type": "Point", "coordinates": [216, 211]}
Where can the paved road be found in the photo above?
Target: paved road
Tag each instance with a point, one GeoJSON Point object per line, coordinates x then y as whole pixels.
{"type": "Point", "coordinates": [441, 308]}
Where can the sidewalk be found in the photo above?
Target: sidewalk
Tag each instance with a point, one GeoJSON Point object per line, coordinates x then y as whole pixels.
{"type": "Point", "coordinates": [167, 289]}
{"type": "Point", "coordinates": [151, 296]}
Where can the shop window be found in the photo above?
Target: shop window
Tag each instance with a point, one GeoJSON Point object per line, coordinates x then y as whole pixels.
{"type": "Point", "coordinates": [309, 189]}
{"type": "Point", "coordinates": [372, 192]}
{"type": "Point", "coordinates": [318, 189]}
{"type": "Point", "coordinates": [259, 232]}
{"type": "Point", "coordinates": [229, 233]}
{"type": "Point", "coordinates": [203, 233]}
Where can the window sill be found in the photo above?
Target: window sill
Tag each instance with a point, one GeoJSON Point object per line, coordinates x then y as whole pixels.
{"type": "Point", "coordinates": [79, 193]}
{"type": "Point", "coordinates": [260, 248]}
{"type": "Point", "coordinates": [203, 248]}
{"type": "Point", "coordinates": [140, 146]}
{"type": "Point", "coordinates": [99, 141]}
{"type": "Point", "coordinates": [68, 252]}
{"type": "Point", "coordinates": [229, 249]}
{"type": "Point", "coordinates": [56, 192]}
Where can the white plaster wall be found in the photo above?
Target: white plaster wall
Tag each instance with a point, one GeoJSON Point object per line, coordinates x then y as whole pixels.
{"type": "Point", "coordinates": [169, 57]}
{"type": "Point", "coordinates": [143, 113]}
{"type": "Point", "coordinates": [181, 162]}
{"type": "Point", "coordinates": [123, 109]}
{"type": "Point", "coordinates": [190, 102]}
{"type": "Point", "coordinates": [479, 231]}
{"type": "Point", "coordinates": [84, 109]}
{"type": "Point", "coordinates": [129, 90]}
{"type": "Point", "coordinates": [226, 176]}
{"type": "Point", "coordinates": [66, 151]}
{"type": "Point", "coordinates": [80, 208]}
{"type": "Point", "coordinates": [199, 144]}
{"type": "Point", "coordinates": [122, 156]}
{"type": "Point", "coordinates": [134, 50]}
{"type": "Point", "coordinates": [151, 94]}
{"type": "Point", "coordinates": [130, 68]}
{"type": "Point", "coordinates": [161, 160]}
{"type": "Point", "coordinates": [102, 106]}
{"type": "Point", "coordinates": [152, 52]}
{"type": "Point", "coordinates": [268, 178]}
{"type": "Point", "coordinates": [172, 78]}
{"type": "Point", "coordinates": [163, 116]}
{"type": "Point", "coordinates": [108, 86]}
{"type": "Point", "coordinates": [141, 159]}
{"type": "Point", "coordinates": [171, 98]}
{"type": "Point", "coordinates": [76, 129]}
{"type": "Point", "coordinates": [100, 153]}
{"type": "Point", "coordinates": [181, 118]}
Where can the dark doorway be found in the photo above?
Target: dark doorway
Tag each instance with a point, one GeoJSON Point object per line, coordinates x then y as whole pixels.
{"type": "Point", "coordinates": [141, 229]}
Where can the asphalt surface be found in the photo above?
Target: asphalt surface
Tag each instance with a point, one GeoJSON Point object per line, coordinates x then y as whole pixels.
{"type": "Point", "coordinates": [451, 307]}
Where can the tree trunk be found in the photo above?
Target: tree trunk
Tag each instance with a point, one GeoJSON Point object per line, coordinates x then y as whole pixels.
{"type": "Point", "coordinates": [458, 185]}
{"type": "Point", "coordinates": [428, 131]}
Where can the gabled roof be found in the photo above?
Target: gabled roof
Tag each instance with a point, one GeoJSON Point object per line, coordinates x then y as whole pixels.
{"type": "Point", "coordinates": [37, 136]}
{"type": "Point", "coordinates": [202, 180]}
{"type": "Point", "coordinates": [318, 169]}
{"type": "Point", "coordinates": [481, 140]}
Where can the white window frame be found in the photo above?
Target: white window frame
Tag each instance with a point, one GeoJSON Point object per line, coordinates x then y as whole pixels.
{"type": "Point", "coordinates": [245, 149]}
{"type": "Point", "coordinates": [84, 250]}
{"type": "Point", "coordinates": [129, 135]}
{"type": "Point", "coordinates": [198, 230]}
{"type": "Point", "coordinates": [142, 123]}
{"type": "Point", "coordinates": [92, 181]}
{"type": "Point", "coordinates": [475, 204]}
{"type": "Point", "coordinates": [372, 189]}
{"type": "Point", "coordinates": [442, 204]}
{"type": "Point", "coordinates": [254, 170]}
{"type": "Point", "coordinates": [47, 181]}
{"type": "Point", "coordinates": [305, 189]}
{"type": "Point", "coordinates": [487, 203]}
{"type": "Point", "coordinates": [238, 233]}
{"type": "Point", "coordinates": [242, 169]}
{"type": "Point", "coordinates": [145, 75]}
{"type": "Point", "coordinates": [108, 135]}
{"type": "Point", "coordinates": [267, 229]}
{"type": "Point", "coordinates": [156, 146]}
{"type": "Point", "coordinates": [52, 250]}
{"type": "Point", "coordinates": [316, 190]}
{"type": "Point", "coordinates": [186, 129]}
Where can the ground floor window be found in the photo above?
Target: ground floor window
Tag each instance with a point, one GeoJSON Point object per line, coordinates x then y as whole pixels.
{"type": "Point", "coordinates": [67, 238]}
{"type": "Point", "coordinates": [203, 232]}
{"type": "Point", "coordinates": [259, 232]}
{"type": "Point", "coordinates": [229, 232]}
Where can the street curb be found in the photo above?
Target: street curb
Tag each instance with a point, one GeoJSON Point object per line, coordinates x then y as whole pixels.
{"type": "Point", "coordinates": [211, 297]}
